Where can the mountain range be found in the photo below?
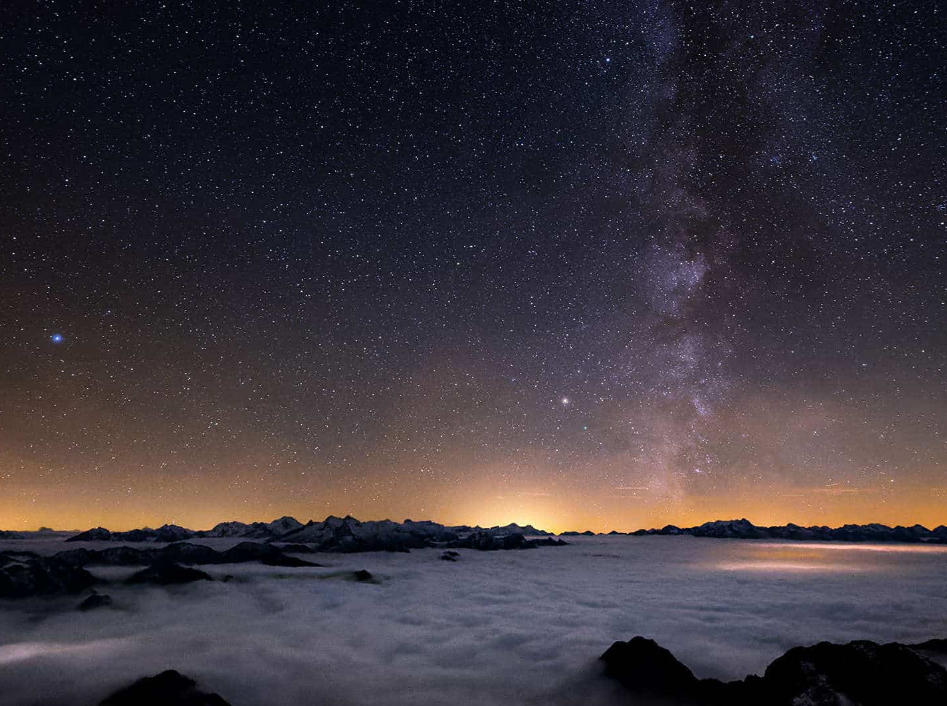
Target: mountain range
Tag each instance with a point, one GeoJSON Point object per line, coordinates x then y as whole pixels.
{"type": "Point", "coordinates": [744, 529]}
{"type": "Point", "coordinates": [340, 534]}
{"type": "Point", "coordinates": [347, 533]}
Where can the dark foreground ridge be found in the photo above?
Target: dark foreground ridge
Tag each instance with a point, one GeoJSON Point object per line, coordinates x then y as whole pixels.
{"type": "Point", "coordinates": [168, 574]}
{"type": "Point", "coordinates": [164, 689]}
{"type": "Point", "coordinates": [342, 534]}
{"type": "Point", "coordinates": [744, 529]}
{"type": "Point", "coordinates": [860, 673]}
{"type": "Point", "coordinates": [181, 553]}
{"type": "Point", "coordinates": [25, 574]}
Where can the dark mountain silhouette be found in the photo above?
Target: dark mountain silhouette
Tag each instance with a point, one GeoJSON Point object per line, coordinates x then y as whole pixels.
{"type": "Point", "coordinates": [342, 534]}
{"type": "Point", "coordinates": [23, 574]}
{"type": "Point", "coordinates": [181, 553]}
{"type": "Point", "coordinates": [860, 673]}
{"type": "Point", "coordinates": [164, 689]}
{"type": "Point", "coordinates": [744, 529]}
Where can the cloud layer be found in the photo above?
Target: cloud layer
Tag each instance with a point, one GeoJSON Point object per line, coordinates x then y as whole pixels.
{"type": "Point", "coordinates": [493, 628]}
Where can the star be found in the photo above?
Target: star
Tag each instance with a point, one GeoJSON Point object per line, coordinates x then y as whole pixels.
{"type": "Point", "coordinates": [56, 338]}
{"type": "Point", "coordinates": [565, 401]}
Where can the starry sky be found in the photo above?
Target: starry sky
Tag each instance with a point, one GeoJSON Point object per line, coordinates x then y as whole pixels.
{"type": "Point", "coordinates": [590, 265]}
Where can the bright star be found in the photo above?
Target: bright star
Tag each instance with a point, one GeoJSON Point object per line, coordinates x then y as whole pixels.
{"type": "Point", "coordinates": [56, 338]}
{"type": "Point", "coordinates": [565, 401]}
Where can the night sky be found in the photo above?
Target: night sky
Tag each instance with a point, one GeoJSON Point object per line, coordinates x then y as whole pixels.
{"type": "Point", "coordinates": [590, 265]}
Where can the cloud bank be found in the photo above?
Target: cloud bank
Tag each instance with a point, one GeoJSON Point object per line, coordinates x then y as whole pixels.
{"type": "Point", "coordinates": [492, 628]}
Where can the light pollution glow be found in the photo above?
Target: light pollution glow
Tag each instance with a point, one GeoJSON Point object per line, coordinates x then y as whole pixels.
{"type": "Point", "coordinates": [203, 502]}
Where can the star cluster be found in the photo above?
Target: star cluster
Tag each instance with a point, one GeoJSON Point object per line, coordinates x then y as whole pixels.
{"type": "Point", "coordinates": [581, 264]}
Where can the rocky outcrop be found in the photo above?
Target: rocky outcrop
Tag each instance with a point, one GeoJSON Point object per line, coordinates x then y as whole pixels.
{"type": "Point", "coordinates": [860, 673]}
{"type": "Point", "coordinates": [646, 668]}
{"type": "Point", "coordinates": [96, 600]}
{"type": "Point", "coordinates": [166, 689]}
{"type": "Point", "coordinates": [167, 573]}
{"type": "Point", "coordinates": [41, 576]}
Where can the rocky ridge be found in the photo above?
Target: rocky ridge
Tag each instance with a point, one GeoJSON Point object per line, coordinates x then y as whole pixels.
{"type": "Point", "coordinates": [25, 574]}
{"type": "Point", "coordinates": [860, 673]}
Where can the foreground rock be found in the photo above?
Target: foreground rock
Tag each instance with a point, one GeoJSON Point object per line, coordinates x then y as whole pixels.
{"type": "Point", "coordinates": [169, 688]}
{"type": "Point", "coordinates": [860, 673]}
{"type": "Point", "coordinates": [646, 668]}
{"type": "Point", "coordinates": [167, 574]}
{"type": "Point", "coordinates": [39, 576]}
{"type": "Point", "coordinates": [96, 600]}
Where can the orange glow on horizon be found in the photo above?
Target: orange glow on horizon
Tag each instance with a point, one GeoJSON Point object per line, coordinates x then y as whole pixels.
{"type": "Point", "coordinates": [477, 504]}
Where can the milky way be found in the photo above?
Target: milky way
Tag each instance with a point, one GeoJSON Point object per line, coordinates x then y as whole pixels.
{"type": "Point", "coordinates": [601, 265]}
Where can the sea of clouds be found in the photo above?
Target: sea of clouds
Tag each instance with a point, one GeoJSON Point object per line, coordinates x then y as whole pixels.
{"type": "Point", "coordinates": [515, 627]}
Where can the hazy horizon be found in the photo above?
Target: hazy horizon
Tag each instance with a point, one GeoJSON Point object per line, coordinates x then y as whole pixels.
{"type": "Point", "coordinates": [522, 522]}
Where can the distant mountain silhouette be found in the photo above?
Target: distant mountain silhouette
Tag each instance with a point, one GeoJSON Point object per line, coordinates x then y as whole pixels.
{"type": "Point", "coordinates": [338, 534]}
{"type": "Point", "coordinates": [744, 529]}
